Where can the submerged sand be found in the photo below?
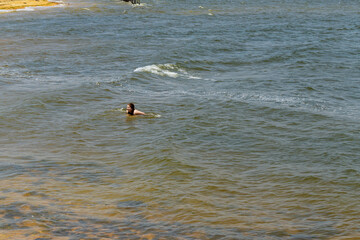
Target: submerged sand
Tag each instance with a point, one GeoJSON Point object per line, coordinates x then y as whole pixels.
{"type": "Point", "coordinates": [19, 4]}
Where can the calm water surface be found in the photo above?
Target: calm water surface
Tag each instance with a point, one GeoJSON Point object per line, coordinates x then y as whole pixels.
{"type": "Point", "coordinates": [252, 130]}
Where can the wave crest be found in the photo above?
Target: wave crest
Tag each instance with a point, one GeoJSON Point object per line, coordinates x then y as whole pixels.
{"type": "Point", "coordinates": [168, 70]}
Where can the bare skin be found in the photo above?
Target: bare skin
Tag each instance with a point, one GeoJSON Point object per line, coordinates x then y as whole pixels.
{"type": "Point", "coordinates": [133, 111]}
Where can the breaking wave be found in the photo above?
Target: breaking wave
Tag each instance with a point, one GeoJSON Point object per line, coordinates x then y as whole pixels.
{"type": "Point", "coordinates": [166, 70]}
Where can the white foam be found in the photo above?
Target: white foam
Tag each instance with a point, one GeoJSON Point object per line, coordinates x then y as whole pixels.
{"type": "Point", "coordinates": [27, 9]}
{"type": "Point", "coordinates": [139, 5]}
{"type": "Point", "coordinates": [158, 70]}
{"type": "Point", "coordinates": [30, 9]}
{"type": "Point", "coordinates": [6, 11]}
{"type": "Point", "coordinates": [169, 70]}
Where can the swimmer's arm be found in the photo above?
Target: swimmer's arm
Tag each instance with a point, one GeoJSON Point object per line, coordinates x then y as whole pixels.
{"type": "Point", "coordinates": [137, 112]}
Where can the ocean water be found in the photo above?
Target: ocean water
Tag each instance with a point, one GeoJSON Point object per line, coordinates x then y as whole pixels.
{"type": "Point", "coordinates": [252, 128]}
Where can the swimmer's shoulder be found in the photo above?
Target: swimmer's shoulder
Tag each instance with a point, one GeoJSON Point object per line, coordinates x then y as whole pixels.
{"type": "Point", "coordinates": [137, 112]}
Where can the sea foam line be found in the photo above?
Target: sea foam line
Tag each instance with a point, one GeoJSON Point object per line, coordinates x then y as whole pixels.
{"type": "Point", "coordinates": [33, 8]}
{"type": "Point", "coordinates": [169, 70]}
{"type": "Point", "coordinates": [30, 9]}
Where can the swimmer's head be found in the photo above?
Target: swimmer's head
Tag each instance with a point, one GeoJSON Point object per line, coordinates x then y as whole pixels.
{"type": "Point", "coordinates": [130, 108]}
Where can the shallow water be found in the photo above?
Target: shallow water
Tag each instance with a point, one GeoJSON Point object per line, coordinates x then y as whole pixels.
{"type": "Point", "coordinates": [252, 129]}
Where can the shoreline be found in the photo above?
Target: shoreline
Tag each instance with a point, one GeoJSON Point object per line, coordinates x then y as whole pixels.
{"type": "Point", "coordinates": [13, 5]}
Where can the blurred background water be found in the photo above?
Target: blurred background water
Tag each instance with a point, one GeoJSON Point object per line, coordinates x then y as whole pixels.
{"type": "Point", "coordinates": [252, 129]}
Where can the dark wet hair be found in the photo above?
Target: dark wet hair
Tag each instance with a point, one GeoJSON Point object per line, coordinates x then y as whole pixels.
{"type": "Point", "coordinates": [132, 106]}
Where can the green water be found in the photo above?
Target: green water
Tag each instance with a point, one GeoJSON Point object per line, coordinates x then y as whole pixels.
{"type": "Point", "coordinates": [252, 125]}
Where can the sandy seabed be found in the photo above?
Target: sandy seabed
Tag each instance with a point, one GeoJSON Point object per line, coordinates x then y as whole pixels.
{"type": "Point", "coordinates": [20, 4]}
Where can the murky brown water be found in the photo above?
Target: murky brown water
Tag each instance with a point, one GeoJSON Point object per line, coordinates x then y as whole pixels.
{"type": "Point", "coordinates": [252, 129]}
